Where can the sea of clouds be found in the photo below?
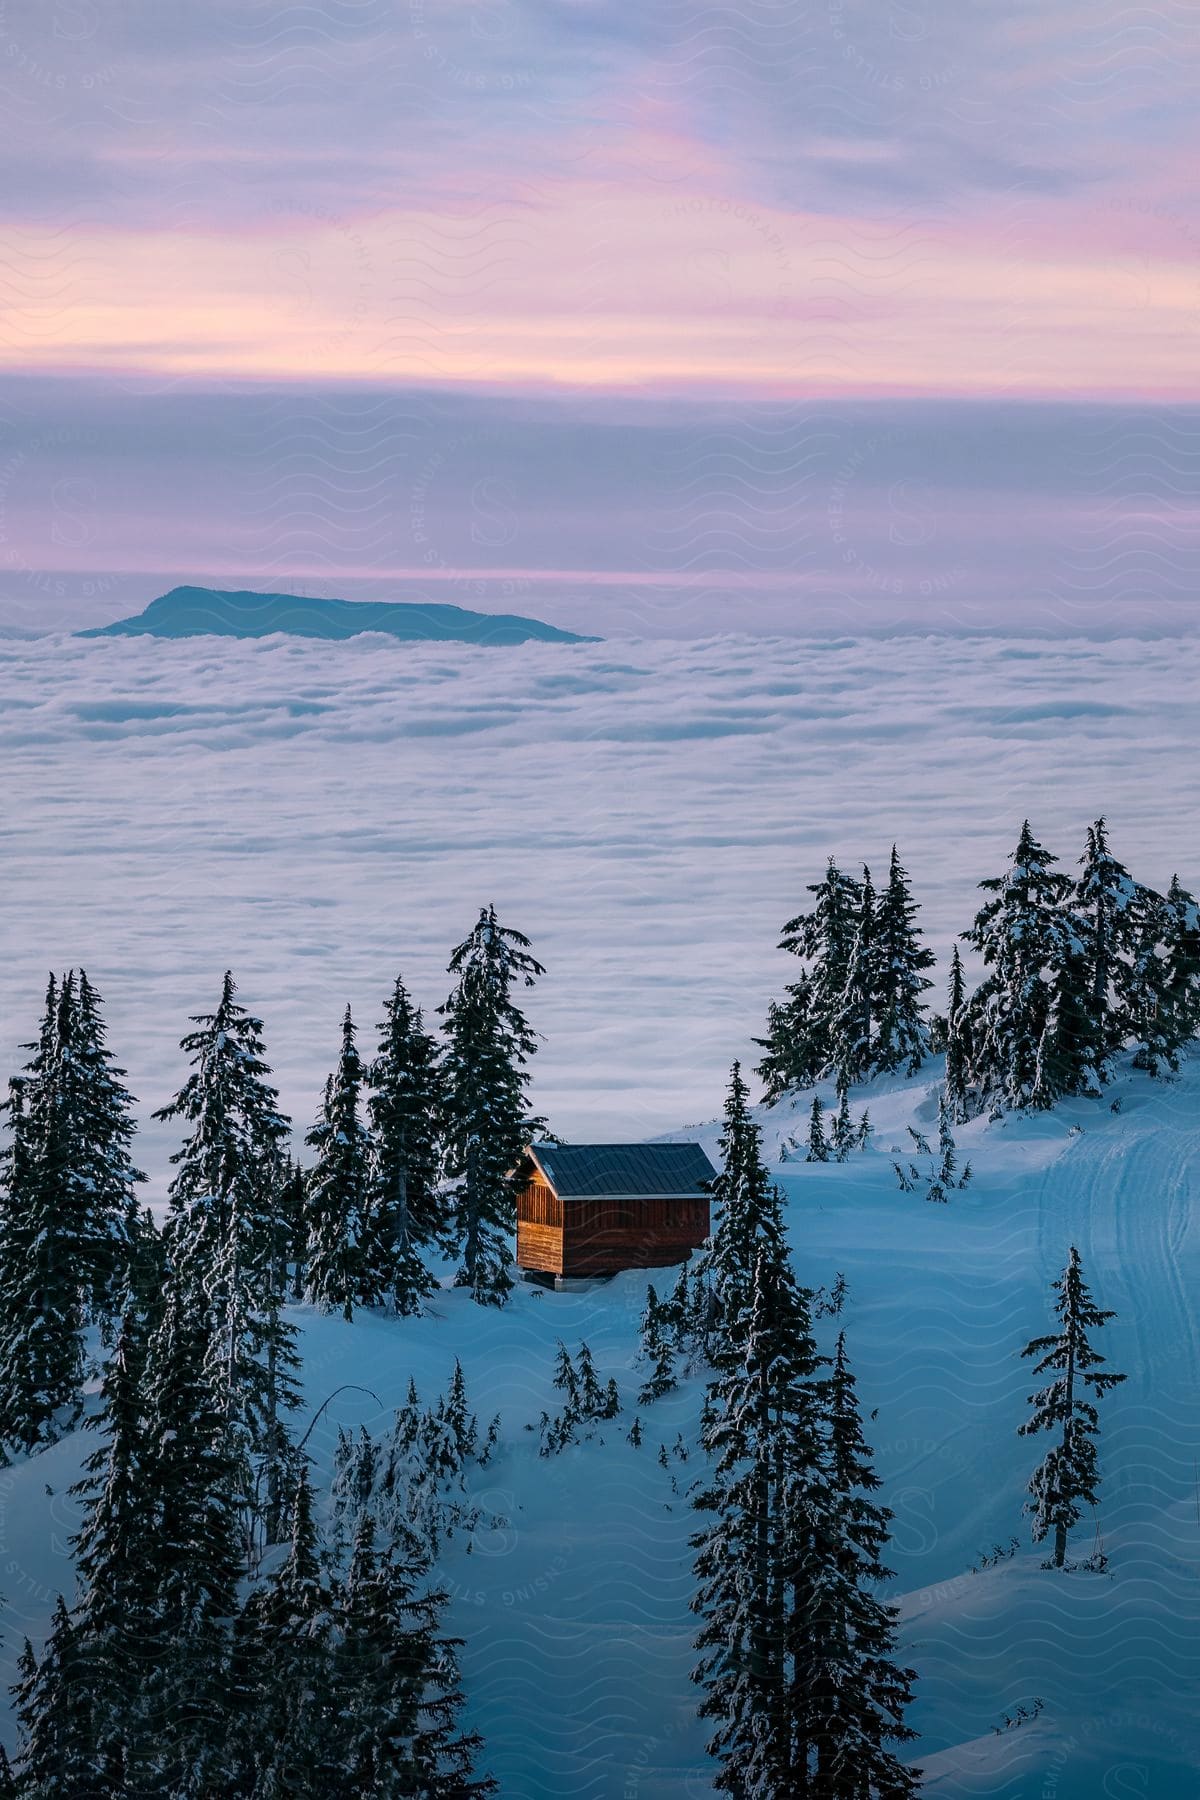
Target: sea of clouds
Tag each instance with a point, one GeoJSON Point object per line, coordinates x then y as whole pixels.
{"type": "Point", "coordinates": [320, 816]}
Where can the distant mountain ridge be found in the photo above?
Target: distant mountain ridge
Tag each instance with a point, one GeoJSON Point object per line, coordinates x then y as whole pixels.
{"type": "Point", "coordinates": [211, 612]}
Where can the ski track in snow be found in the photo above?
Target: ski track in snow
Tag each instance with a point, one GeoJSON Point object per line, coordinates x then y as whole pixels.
{"type": "Point", "coordinates": [649, 813]}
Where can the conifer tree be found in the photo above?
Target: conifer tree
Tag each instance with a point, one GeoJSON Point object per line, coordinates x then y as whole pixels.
{"type": "Point", "coordinates": [842, 1137]}
{"type": "Point", "coordinates": [1025, 1016]}
{"type": "Point", "coordinates": [765, 1437]}
{"type": "Point", "coordinates": [818, 1147]}
{"type": "Point", "coordinates": [657, 1350]}
{"type": "Point", "coordinates": [57, 1759]}
{"type": "Point", "coordinates": [395, 1687]}
{"type": "Point", "coordinates": [900, 962]}
{"type": "Point", "coordinates": [226, 1234]}
{"type": "Point", "coordinates": [851, 1016]}
{"type": "Point", "coordinates": [799, 1045]}
{"type": "Point", "coordinates": [1107, 904]}
{"type": "Point", "coordinates": [1068, 1477]}
{"type": "Point", "coordinates": [405, 1110]}
{"type": "Point", "coordinates": [958, 1051]}
{"type": "Point", "coordinates": [337, 1273]}
{"type": "Point", "coordinates": [194, 1555]}
{"type": "Point", "coordinates": [226, 1173]}
{"type": "Point", "coordinates": [794, 1049]}
{"type": "Point", "coordinates": [103, 1127]}
{"type": "Point", "coordinates": [747, 1214]}
{"type": "Point", "coordinates": [1164, 982]}
{"type": "Point", "coordinates": [489, 1043]}
{"type": "Point", "coordinates": [116, 1616]}
{"type": "Point", "coordinates": [42, 1269]}
{"type": "Point", "coordinates": [853, 1692]}
{"type": "Point", "coordinates": [282, 1668]}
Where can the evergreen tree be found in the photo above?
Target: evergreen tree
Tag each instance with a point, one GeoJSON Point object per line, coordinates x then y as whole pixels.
{"type": "Point", "coordinates": [227, 1171]}
{"type": "Point", "coordinates": [747, 1214]}
{"type": "Point", "coordinates": [818, 1148]}
{"type": "Point", "coordinates": [282, 1668]}
{"type": "Point", "coordinates": [842, 1137]}
{"type": "Point", "coordinates": [851, 1016]}
{"type": "Point", "coordinates": [395, 1688]}
{"type": "Point", "coordinates": [799, 1045]}
{"type": "Point", "coordinates": [103, 1127]}
{"type": "Point", "coordinates": [42, 1266]}
{"type": "Point", "coordinates": [1107, 904]}
{"type": "Point", "coordinates": [1164, 982]}
{"type": "Point", "coordinates": [193, 1556]}
{"type": "Point", "coordinates": [336, 1255]}
{"type": "Point", "coordinates": [958, 1049]}
{"type": "Point", "coordinates": [57, 1759]}
{"type": "Point", "coordinates": [489, 1043]}
{"type": "Point", "coordinates": [765, 1436]}
{"type": "Point", "coordinates": [114, 1550]}
{"type": "Point", "coordinates": [1068, 1477]}
{"type": "Point", "coordinates": [226, 1241]}
{"type": "Point", "coordinates": [900, 962]}
{"type": "Point", "coordinates": [794, 1046]}
{"type": "Point", "coordinates": [1025, 1018]}
{"type": "Point", "coordinates": [855, 1694]}
{"type": "Point", "coordinates": [657, 1350]}
{"type": "Point", "coordinates": [405, 1110]}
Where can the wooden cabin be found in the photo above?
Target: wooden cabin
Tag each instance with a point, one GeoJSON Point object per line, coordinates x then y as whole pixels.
{"type": "Point", "coordinates": [594, 1209]}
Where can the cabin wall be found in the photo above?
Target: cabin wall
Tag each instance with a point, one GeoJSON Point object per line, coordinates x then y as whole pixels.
{"type": "Point", "coordinates": [540, 1228]}
{"type": "Point", "coordinates": [601, 1237]}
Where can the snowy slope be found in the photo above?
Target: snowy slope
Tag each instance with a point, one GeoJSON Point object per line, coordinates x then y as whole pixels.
{"type": "Point", "coordinates": [575, 1612]}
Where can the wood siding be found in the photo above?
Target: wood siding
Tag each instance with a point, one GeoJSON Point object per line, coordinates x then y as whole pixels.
{"type": "Point", "coordinates": [539, 1247]}
{"type": "Point", "coordinates": [601, 1237]}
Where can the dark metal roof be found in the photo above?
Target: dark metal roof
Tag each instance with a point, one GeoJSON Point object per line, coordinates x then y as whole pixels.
{"type": "Point", "coordinates": [639, 1171]}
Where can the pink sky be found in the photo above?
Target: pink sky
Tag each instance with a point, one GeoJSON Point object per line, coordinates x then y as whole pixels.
{"type": "Point", "coordinates": [812, 207]}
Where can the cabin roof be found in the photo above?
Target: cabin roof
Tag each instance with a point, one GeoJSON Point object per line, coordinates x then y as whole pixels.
{"type": "Point", "coordinates": [636, 1171]}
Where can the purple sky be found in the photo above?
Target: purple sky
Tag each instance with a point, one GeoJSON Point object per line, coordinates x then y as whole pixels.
{"type": "Point", "coordinates": [660, 320]}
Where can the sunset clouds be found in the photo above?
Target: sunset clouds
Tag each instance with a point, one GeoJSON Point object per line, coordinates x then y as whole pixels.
{"type": "Point", "coordinates": [761, 206]}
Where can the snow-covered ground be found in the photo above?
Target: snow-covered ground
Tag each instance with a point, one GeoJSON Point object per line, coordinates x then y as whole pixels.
{"type": "Point", "coordinates": [575, 1609]}
{"type": "Point", "coordinates": [319, 816]}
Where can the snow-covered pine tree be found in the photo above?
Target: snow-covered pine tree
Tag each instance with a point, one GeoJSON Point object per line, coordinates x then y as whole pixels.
{"type": "Point", "coordinates": [900, 961]}
{"type": "Point", "coordinates": [843, 1136]}
{"type": "Point", "coordinates": [227, 1170]}
{"type": "Point", "coordinates": [794, 1051]}
{"type": "Point", "coordinates": [193, 1556]}
{"type": "Point", "coordinates": [337, 1275]}
{"type": "Point", "coordinates": [395, 1691]}
{"type": "Point", "coordinates": [282, 1667]}
{"type": "Point", "coordinates": [746, 1215]}
{"type": "Point", "coordinates": [958, 1049]}
{"type": "Point", "coordinates": [818, 1147]}
{"type": "Point", "coordinates": [488, 1045]}
{"type": "Point", "coordinates": [57, 1756]}
{"type": "Point", "coordinates": [798, 1045]}
{"type": "Point", "coordinates": [851, 1021]}
{"type": "Point", "coordinates": [657, 1350]}
{"type": "Point", "coordinates": [764, 1434]}
{"type": "Point", "coordinates": [1164, 987]}
{"type": "Point", "coordinates": [1023, 1019]}
{"type": "Point", "coordinates": [42, 1234]}
{"type": "Point", "coordinates": [1107, 904]}
{"type": "Point", "coordinates": [853, 1694]}
{"type": "Point", "coordinates": [225, 1238]}
{"type": "Point", "coordinates": [405, 1108]}
{"type": "Point", "coordinates": [116, 1617]}
{"type": "Point", "coordinates": [103, 1128]}
{"type": "Point", "coordinates": [1068, 1477]}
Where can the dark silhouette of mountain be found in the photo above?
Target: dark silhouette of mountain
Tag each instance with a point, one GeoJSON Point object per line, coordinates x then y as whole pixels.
{"type": "Point", "coordinates": [198, 612]}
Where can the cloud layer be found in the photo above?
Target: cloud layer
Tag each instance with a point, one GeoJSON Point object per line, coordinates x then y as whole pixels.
{"type": "Point", "coordinates": [319, 816]}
